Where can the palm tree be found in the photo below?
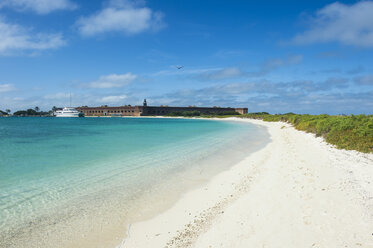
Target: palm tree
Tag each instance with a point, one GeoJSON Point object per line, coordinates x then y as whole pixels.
{"type": "Point", "coordinates": [37, 109]}
{"type": "Point", "coordinates": [8, 111]}
{"type": "Point", "coordinates": [54, 108]}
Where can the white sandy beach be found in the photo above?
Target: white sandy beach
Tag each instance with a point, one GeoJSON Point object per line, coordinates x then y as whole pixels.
{"type": "Point", "coordinates": [298, 191]}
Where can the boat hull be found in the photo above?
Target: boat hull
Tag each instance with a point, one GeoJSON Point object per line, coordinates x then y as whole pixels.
{"type": "Point", "coordinates": [68, 115]}
{"type": "Point", "coordinates": [68, 112]}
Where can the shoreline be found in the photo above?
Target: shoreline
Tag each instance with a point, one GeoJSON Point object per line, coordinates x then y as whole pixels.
{"type": "Point", "coordinates": [297, 191]}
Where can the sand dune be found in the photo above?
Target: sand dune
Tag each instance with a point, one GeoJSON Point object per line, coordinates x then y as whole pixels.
{"type": "Point", "coordinates": [298, 191]}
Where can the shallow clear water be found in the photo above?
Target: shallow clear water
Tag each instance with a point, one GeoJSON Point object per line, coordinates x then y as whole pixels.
{"type": "Point", "coordinates": [56, 169]}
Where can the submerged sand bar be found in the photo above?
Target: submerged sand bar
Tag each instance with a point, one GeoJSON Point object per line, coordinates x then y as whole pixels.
{"type": "Point", "coordinates": [298, 191]}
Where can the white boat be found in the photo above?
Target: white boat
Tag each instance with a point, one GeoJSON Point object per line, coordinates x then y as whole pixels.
{"type": "Point", "coordinates": [68, 112]}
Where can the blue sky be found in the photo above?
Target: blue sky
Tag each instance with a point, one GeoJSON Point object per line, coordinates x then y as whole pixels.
{"type": "Point", "coordinates": [276, 56]}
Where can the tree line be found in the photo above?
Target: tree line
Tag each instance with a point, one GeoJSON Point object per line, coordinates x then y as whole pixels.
{"type": "Point", "coordinates": [30, 112]}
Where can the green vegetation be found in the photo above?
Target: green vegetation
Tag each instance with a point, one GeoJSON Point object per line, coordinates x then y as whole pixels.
{"type": "Point", "coordinates": [353, 132]}
{"type": "Point", "coordinates": [185, 113]}
{"type": "Point", "coordinates": [31, 112]}
{"type": "Point", "coordinates": [25, 112]}
{"type": "Point", "coordinates": [229, 113]}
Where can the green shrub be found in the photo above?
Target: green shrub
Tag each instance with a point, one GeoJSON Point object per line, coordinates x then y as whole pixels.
{"type": "Point", "coordinates": [353, 132]}
{"type": "Point", "coordinates": [185, 113]}
{"type": "Point", "coordinates": [228, 113]}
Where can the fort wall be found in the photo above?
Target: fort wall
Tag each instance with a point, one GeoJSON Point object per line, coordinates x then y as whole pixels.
{"type": "Point", "coordinates": [152, 110]}
{"type": "Point", "coordinates": [112, 111]}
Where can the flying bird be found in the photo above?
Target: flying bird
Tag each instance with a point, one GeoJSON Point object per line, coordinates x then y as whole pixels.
{"type": "Point", "coordinates": [179, 67]}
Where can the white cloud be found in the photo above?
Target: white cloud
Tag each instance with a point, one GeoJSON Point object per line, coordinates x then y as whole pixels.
{"type": "Point", "coordinates": [120, 16]}
{"type": "Point", "coordinates": [57, 96]}
{"type": "Point", "coordinates": [276, 63]}
{"type": "Point", "coordinates": [112, 81]}
{"type": "Point", "coordinates": [337, 22]}
{"type": "Point", "coordinates": [39, 6]}
{"type": "Point", "coordinates": [113, 99]}
{"type": "Point", "coordinates": [365, 80]}
{"type": "Point", "coordinates": [184, 71]}
{"type": "Point", "coordinates": [217, 73]}
{"type": "Point", "coordinates": [332, 95]}
{"type": "Point", "coordinates": [14, 37]}
{"type": "Point", "coordinates": [6, 88]}
{"type": "Point", "coordinates": [221, 74]}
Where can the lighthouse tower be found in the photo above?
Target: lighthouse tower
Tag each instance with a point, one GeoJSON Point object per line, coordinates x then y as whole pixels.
{"type": "Point", "coordinates": [145, 104]}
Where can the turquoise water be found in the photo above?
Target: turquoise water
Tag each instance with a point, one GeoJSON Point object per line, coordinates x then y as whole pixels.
{"type": "Point", "coordinates": [56, 170]}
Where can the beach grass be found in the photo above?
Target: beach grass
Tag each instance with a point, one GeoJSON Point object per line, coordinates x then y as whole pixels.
{"type": "Point", "coordinates": [353, 132]}
{"type": "Point", "coordinates": [350, 132]}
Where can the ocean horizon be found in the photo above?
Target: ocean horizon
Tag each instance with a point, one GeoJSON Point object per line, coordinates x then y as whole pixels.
{"type": "Point", "coordinates": [98, 175]}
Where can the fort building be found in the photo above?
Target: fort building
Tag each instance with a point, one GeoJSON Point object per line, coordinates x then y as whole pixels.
{"type": "Point", "coordinates": [145, 110]}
